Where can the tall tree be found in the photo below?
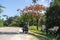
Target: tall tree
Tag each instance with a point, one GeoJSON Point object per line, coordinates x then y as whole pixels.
{"type": "Point", "coordinates": [34, 1]}
{"type": "Point", "coordinates": [1, 10]}
{"type": "Point", "coordinates": [36, 10]}
{"type": "Point", "coordinates": [53, 15]}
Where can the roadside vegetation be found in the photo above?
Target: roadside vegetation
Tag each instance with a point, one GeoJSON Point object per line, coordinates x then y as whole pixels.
{"type": "Point", "coordinates": [41, 35]}
{"type": "Point", "coordinates": [1, 10]}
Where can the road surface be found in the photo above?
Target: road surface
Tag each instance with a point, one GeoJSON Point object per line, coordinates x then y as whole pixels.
{"type": "Point", "coordinates": [14, 33]}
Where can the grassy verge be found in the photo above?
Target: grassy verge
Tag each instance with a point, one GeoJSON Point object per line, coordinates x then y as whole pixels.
{"type": "Point", "coordinates": [41, 35]}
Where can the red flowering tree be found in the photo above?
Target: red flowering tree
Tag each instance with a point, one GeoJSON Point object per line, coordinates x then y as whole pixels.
{"type": "Point", "coordinates": [34, 9]}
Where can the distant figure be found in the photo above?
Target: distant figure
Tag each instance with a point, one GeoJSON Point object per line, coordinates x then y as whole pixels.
{"type": "Point", "coordinates": [25, 28]}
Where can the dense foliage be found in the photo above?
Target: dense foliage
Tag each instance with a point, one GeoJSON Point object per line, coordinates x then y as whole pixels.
{"type": "Point", "coordinates": [36, 10]}
{"type": "Point", "coordinates": [20, 20]}
{"type": "Point", "coordinates": [53, 16]}
{"type": "Point", "coordinates": [1, 10]}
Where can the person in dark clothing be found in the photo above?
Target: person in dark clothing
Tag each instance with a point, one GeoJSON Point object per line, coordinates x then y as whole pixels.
{"type": "Point", "coordinates": [25, 28]}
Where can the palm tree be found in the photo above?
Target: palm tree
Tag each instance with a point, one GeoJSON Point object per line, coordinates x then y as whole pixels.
{"type": "Point", "coordinates": [1, 8]}
{"type": "Point", "coordinates": [34, 1]}
{"type": "Point", "coordinates": [5, 16]}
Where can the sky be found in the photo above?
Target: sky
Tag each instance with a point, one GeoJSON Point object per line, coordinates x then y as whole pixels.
{"type": "Point", "coordinates": [13, 5]}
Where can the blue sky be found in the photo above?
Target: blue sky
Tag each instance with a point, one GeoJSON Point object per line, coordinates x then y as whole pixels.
{"type": "Point", "coordinates": [13, 5]}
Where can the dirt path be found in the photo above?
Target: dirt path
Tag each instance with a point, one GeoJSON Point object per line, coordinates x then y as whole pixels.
{"type": "Point", "coordinates": [14, 33]}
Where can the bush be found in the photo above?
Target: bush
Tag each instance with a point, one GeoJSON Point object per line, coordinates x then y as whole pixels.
{"type": "Point", "coordinates": [1, 23]}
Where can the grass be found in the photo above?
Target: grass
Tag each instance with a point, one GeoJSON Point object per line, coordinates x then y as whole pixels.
{"type": "Point", "coordinates": [41, 35]}
{"type": "Point", "coordinates": [32, 28]}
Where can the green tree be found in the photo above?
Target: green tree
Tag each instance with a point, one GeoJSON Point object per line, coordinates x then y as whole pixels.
{"type": "Point", "coordinates": [1, 10]}
{"type": "Point", "coordinates": [8, 21]}
{"type": "Point", "coordinates": [34, 1]}
{"type": "Point", "coordinates": [53, 15]}
{"type": "Point", "coordinates": [15, 21]}
{"type": "Point", "coordinates": [5, 16]}
{"type": "Point", "coordinates": [54, 2]}
{"type": "Point", "coordinates": [28, 17]}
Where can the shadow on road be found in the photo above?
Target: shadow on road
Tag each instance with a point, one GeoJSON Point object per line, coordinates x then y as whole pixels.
{"type": "Point", "coordinates": [11, 33]}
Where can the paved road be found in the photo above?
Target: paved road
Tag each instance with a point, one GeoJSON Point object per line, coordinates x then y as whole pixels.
{"type": "Point", "coordinates": [14, 33]}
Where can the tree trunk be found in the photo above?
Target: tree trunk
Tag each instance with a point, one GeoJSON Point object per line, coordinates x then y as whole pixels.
{"type": "Point", "coordinates": [37, 23]}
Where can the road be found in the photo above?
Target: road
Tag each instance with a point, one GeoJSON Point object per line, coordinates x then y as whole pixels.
{"type": "Point", "coordinates": [14, 33]}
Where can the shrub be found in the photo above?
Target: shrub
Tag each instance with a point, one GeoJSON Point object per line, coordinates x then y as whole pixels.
{"type": "Point", "coordinates": [1, 23]}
